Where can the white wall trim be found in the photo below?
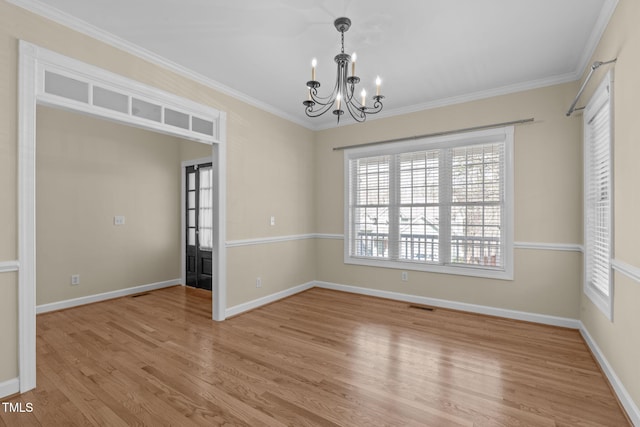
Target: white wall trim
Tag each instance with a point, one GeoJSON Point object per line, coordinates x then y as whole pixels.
{"type": "Point", "coordinates": [628, 270]}
{"type": "Point", "coordinates": [329, 236]}
{"type": "Point", "coordinates": [569, 247]}
{"type": "Point", "coordinates": [563, 247]}
{"type": "Point", "coordinates": [250, 305]}
{"type": "Point", "coordinates": [267, 240]}
{"type": "Point", "coordinates": [8, 266]}
{"type": "Point", "coordinates": [75, 302]}
{"type": "Point", "coordinates": [454, 305]}
{"type": "Point", "coordinates": [9, 387]}
{"type": "Point", "coordinates": [623, 395]}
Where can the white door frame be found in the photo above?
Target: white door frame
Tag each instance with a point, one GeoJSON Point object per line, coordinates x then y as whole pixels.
{"type": "Point", "coordinates": [33, 62]}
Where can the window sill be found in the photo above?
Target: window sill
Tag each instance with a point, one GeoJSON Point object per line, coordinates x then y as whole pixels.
{"type": "Point", "coordinates": [483, 272]}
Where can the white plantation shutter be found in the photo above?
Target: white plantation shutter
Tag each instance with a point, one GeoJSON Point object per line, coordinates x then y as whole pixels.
{"type": "Point", "coordinates": [434, 205]}
{"type": "Point", "coordinates": [598, 196]}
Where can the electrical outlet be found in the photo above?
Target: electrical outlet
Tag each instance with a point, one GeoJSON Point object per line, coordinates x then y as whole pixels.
{"type": "Point", "coordinates": [258, 282]}
{"type": "Point", "coordinates": [405, 276]}
{"type": "Point", "coordinates": [75, 279]}
{"type": "Point", "coordinates": [118, 220]}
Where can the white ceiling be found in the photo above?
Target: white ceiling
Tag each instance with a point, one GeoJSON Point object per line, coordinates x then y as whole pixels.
{"type": "Point", "coordinates": [428, 52]}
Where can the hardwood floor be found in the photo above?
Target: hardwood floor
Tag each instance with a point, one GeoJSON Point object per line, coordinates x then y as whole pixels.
{"type": "Point", "coordinates": [318, 358]}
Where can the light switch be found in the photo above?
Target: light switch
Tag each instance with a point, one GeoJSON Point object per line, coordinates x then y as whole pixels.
{"type": "Point", "coordinates": [118, 220]}
{"type": "Point", "coordinates": [273, 220]}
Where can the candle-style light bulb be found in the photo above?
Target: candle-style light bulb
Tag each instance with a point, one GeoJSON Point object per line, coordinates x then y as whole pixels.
{"type": "Point", "coordinates": [378, 83]}
{"type": "Point", "coordinates": [364, 96]}
{"type": "Point", "coordinates": [338, 98]}
{"type": "Point", "coordinates": [353, 64]}
{"type": "Point", "coordinates": [314, 62]}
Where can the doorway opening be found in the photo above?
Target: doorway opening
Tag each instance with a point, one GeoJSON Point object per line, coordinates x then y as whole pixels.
{"type": "Point", "coordinates": [50, 79]}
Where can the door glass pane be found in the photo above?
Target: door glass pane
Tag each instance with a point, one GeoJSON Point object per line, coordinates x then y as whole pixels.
{"type": "Point", "coordinates": [206, 207]}
{"type": "Point", "coordinates": [191, 241]}
{"type": "Point", "coordinates": [192, 218]}
{"type": "Point", "coordinates": [192, 200]}
{"type": "Point", "coordinates": [192, 181]}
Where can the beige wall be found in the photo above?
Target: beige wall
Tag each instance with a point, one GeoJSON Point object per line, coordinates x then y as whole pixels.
{"type": "Point", "coordinates": [268, 158]}
{"type": "Point", "coordinates": [88, 171]}
{"type": "Point", "coordinates": [619, 340]}
{"type": "Point", "coordinates": [548, 208]}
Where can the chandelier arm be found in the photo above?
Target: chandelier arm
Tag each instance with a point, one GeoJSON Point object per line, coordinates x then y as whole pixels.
{"type": "Point", "coordinates": [318, 112]}
{"type": "Point", "coordinates": [329, 99]}
{"type": "Point", "coordinates": [356, 113]}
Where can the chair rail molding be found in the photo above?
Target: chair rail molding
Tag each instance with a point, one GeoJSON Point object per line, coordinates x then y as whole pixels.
{"type": "Point", "coordinates": [9, 266]}
{"type": "Point", "coordinates": [628, 270]}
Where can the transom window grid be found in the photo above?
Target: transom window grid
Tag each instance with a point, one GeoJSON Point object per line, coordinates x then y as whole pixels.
{"type": "Point", "coordinates": [432, 207]}
{"type": "Point", "coordinates": [108, 95]}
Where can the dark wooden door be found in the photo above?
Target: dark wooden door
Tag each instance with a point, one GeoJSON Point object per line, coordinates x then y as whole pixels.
{"type": "Point", "coordinates": [199, 225]}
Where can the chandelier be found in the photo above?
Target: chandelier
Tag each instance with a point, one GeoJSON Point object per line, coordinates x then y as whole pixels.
{"type": "Point", "coordinates": [343, 96]}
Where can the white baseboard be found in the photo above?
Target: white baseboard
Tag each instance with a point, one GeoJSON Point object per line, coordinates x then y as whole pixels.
{"type": "Point", "coordinates": [623, 395]}
{"type": "Point", "coordinates": [9, 387]}
{"type": "Point", "coordinates": [473, 308]}
{"type": "Point", "coordinates": [250, 305]}
{"type": "Point", "coordinates": [60, 305]}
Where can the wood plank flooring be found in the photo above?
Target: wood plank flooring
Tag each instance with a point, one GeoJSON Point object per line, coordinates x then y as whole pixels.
{"type": "Point", "coordinates": [319, 358]}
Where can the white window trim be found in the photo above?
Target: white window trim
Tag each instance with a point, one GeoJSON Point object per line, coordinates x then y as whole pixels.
{"type": "Point", "coordinates": [461, 139]}
{"type": "Point", "coordinates": [603, 94]}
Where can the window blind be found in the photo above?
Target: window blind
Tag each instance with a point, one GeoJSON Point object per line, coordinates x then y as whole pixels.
{"type": "Point", "coordinates": [598, 193]}
{"type": "Point", "coordinates": [441, 204]}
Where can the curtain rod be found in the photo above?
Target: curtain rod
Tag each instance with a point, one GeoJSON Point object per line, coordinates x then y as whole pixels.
{"type": "Point", "coordinates": [595, 65]}
{"type": "Point", "coordinates": [446, 132]}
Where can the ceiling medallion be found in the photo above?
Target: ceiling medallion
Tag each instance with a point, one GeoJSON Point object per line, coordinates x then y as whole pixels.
{"type": "Point", "coordinates": [343, 95]}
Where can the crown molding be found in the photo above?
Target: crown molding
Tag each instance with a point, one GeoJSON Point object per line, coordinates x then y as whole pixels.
{"type": "Point", "coordinates": [110, 39]}
{"type": "Point", "coordinates": [92, 31]}
{"type": "Point", "coordinates": [608, 7]}
{"type": "Point", "coordinates": [461, 99]}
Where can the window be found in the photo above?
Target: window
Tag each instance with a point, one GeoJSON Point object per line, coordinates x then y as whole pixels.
{"type": "Point", "coordinates": [598, 197]}
{"type": "Point", "coordinates": [440, 204]}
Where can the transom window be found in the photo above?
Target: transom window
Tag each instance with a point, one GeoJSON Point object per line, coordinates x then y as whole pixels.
{"type": "Point", "coordinates": [439, 204]}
